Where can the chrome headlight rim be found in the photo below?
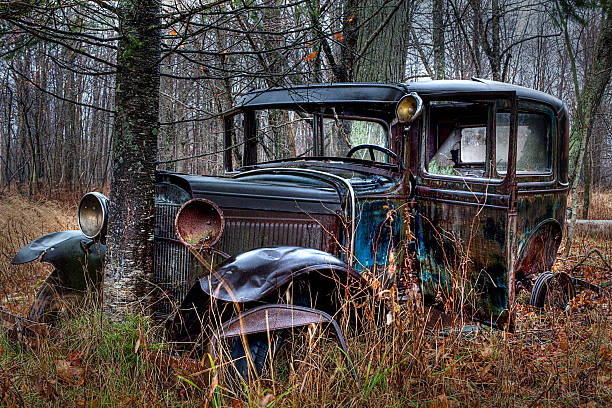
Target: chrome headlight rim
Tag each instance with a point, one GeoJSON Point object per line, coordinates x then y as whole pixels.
{"type": "Point", "coordinates": [99, 230]}
{"type": "Point", "coordinates": [408, 117]}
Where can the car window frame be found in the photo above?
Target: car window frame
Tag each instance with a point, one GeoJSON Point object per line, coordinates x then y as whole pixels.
{"type": "Point", "coordinates": [541, 108]}
{"type": "Point", "coordinates": [491, 177]}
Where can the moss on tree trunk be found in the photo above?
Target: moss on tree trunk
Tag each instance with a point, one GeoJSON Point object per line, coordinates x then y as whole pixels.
{"type": "Point", "coordinates": [128, 272]}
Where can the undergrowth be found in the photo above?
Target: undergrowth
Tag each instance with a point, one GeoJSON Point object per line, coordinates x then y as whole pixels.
{"type": "Point", "coordinates": [552, 359]}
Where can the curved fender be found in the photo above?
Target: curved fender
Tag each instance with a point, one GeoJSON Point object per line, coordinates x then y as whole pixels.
{"type": "Point", "coordinates": [69, 252]}
{"type": "Point", "coordinates": [538, 252]}
{"type": "Point", "coordinates": [254, 274]}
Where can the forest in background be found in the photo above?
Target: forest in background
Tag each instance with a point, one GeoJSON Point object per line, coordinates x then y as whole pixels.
{"type": "Point", "coordinates": [57, 86]}
{"type": "Point", "coordinates": [58, 65]}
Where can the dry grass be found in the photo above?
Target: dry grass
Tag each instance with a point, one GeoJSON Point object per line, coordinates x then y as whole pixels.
{"type": "Point", "coordinates": [601, 206]}
{"type": "Point", "coordinates": [553, 359]}
{"type": "Point", "coordinates": [21, 221]}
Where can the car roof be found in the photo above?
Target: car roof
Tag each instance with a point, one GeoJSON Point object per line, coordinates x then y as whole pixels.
{"type": "Point", "coordinates": [385, 94]}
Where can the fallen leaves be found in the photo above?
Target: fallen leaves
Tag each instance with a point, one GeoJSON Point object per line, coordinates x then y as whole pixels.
{"type": "Point", "coordinates": [70, 371]}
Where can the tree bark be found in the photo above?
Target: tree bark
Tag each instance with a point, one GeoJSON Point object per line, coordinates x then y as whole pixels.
{"type": "Point", "coordinates": [128, 272]}
{"type": "Point", "coordinates": [438, 39]}
{"type": "Point", "coordinates": [381, 44]}
{"type": "Point", "coordinates": [495, 58]}
{"type": "Point", "coordinates": [588, 180]}
{"type": "Point", "coordinates": [595, 81]}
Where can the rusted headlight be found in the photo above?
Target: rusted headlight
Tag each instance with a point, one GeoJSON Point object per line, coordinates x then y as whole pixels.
{"type": "Point", "coordinates": [199, 224]}
{"type": "Point", "coordinates": [93, 215]}
{"type": "Point", "coordinates": [409, 107]}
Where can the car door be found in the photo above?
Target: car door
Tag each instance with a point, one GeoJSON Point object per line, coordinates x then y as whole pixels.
{"type": "Point", "coordinates": [465, 219]}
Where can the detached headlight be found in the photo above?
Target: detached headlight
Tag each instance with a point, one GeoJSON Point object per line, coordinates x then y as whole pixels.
{"type": "Point", "coordinates": [93, 215]}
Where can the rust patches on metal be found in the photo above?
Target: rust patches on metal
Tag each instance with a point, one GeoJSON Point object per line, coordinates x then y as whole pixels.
{"type": "Point", "coordinates": [199, 224]}
{"type": "Point", "coordinates": [268, 318]}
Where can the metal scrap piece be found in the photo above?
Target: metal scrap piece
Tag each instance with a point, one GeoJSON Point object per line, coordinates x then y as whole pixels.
{"type": "Point", "coordinates": [277, 317]}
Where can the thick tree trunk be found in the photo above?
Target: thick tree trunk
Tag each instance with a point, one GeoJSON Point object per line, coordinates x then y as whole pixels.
{"type": "Point", "coordinates": [128, 272]}
{"type": "Point", "coordinates": [346, 67]}
{"type": "Point", "coordinates": [382, 42]}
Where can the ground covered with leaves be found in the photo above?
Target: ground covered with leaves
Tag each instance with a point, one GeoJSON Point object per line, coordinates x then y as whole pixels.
{"type": "Point", "coordinates": [554, 358]}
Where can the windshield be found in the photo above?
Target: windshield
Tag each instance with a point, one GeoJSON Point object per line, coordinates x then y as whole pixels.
{"type": "Point", "coordinates": [276, 134]}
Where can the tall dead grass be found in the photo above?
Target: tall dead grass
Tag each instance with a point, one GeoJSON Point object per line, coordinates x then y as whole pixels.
{"type": "Point", "coordinates": [601, 205]}
{"type": "Point", "coordinates": [21, 221]}
{"type": "Point", "coordinates": [552, 359]}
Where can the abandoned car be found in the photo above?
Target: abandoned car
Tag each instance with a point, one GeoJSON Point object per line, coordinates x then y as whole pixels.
{"type": "Point", "coordinates": [459, 186]}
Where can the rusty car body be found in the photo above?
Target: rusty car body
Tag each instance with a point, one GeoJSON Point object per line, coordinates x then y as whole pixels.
{"type": "Point", "coordinates": [459, 185]}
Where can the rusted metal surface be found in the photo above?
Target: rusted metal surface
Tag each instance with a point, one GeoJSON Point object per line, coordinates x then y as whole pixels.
{"type": "Point", "coordinates": [538, 252]}
{"type": "Point", "coordinates": [246, 230]}
{"type": "Point", "coordinates": [269, 318]}
{"type": "Point", "coordinates": [199, 224]}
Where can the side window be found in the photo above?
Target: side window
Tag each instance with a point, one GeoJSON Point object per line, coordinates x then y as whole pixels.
{"type": "Point", "coordinates": [534, 143]}
{"type": "Point", "coordinates": [457, 138]}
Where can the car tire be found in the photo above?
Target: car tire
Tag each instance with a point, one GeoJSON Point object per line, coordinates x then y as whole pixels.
{"type": "Point", "coordinates": [552, 289]}
{"type": "Point", "coordinates": [261, 354]}
{"type": "Point", "coordinates": [261, 347]}
{"type": "Point", "coordinates": [48, 303]}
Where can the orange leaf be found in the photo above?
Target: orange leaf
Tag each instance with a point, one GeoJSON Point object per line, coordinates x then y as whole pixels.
{"type": "Point", "coordinates": [310, 56]}
{"type": "Point", "coordinates": [350, 18]}
{"type": "Point", "coordinates": [172, 32]}
{"type": "Point", "coordinates": [339, 37]}
{"type": "Point", "coordinates": [309, 43]}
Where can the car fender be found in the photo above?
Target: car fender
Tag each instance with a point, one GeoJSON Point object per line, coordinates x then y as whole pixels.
{"type": "Point", "coordinates": [537, 254]}
{"type": "Point", "coordinates": [246, 279]}
{"type": "Point", "coordinates": [77, 258]}
{"type": "Point", "coordinates": [254, 274]}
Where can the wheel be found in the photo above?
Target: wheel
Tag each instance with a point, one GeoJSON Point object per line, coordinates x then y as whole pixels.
{"type": "Point", "coordinates": [371, 148]}
{"type": "Point", "coordinates": [552, 290]}
{"type": "Point", "coordinates": [261, 347]}
{"type": "Point", "coordinates": [50, 301]}
{"type": "Point", "coordinates": [261, 352]}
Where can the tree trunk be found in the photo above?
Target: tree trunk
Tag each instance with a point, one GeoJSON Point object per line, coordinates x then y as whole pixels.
{"type": "Point", "coordinates": [495, 55]}
{"type": "Point", "coordinates": [438, 39]}
{"type": "Point", "coordinates": [128, 272]}
{"type": "Point", "coordinates": [588, 180]}
{"type": "Point", "coordinates": [589, 100]}
{"type": "Point", "coordinates": [382, 45]}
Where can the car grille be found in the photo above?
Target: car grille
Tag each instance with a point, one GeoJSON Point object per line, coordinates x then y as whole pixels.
{"type": "Point", "coordinates": [173, 261]}
{"type": "Point", "coordinates": [175, 269]}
